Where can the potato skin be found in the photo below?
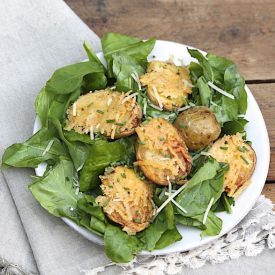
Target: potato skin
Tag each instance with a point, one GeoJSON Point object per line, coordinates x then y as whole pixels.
{"type": "Point", "coordinates": [241, 159]}
{"type": "Point", "coordinates": [107, 112]}
{"type": "Point", "coordinates": [162, 153]}
{"type": "Point", "coordinates": [127, 200]}
{"type": "Point", "coordinates": [198, 127]}
{"type": "Point", "coordinates": [169, 81]}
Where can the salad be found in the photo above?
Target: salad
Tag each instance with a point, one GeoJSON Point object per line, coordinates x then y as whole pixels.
{"type": "Point", "coordinates": [135, 148]}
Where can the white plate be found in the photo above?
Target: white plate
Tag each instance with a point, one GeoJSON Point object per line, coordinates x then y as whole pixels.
{"type": "Point", "coordinates": [256, 132]}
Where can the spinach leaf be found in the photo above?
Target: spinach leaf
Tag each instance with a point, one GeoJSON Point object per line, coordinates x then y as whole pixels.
{"type": "Point", "coordinates": [119, 246]}
{"type": "Point", "coordinates": [187, 221]}
{"type": "Point", "coordinates": [205, 92]}
{"type": "Point", "coordinates": [78, 150]}
{"type": "Point", "coordinates": [74, 136]}
{"type": "Point", "coordinates": [218, 62]}
{"type": "Point", "coordinates": [205, 185]}
{"type": "Point", "coordinates": [123, 66]}
{"type": "Point", "coordinates": [168, 237]}
{"type": "Point", "coordinates": [223, 204]}
{"type": "Point", "coordinates": [85, 221]}
{"type": "Point", "coordinates": [234, 126]}
{"type": "Point", "coordinates": [113, 43]}
{"type": "Point", "coordinates": [55, 191]}
{"type": "Point", "coordinates": [33, 151]}
{"type": "Point", "coordinates": [69, 78]}
{"type": "Point", "coordinates": [42, 105]}
{"type": "Point", "coordinates": [102, 154]}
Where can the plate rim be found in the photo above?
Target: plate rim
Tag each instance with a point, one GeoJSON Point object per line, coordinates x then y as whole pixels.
{"type": "Point", "coordinates": [98, 240]}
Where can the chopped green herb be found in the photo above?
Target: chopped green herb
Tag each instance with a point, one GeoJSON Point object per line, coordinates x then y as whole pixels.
{"type": "Point", "coordinates": [183, 126]}
{"type": "Point", "coordinates": [245, 149]}
{"type": "Point", "coordinates": [110, 120]}
{"type": "Point", "coordinates": [120, 123]}
{"type": "Point", "coordinates": [137, 212]}
{"type": "Point", "coordinates": [245, 160]}
{"type": "Point", "coordinates": [141, 142]}
{"type": "Point", "coordinates": [137, 220]}
{"type": "Point", "coordinates": [89, 105]}
{"type": "Point", "coordinates": [126, 188]}
{"type": "Point", "coordinates": [223, 148]}
{"type": "Point", "coordinates": [241, 149]}
{"type": "Point", "coordinates": [106, 203]}
{"type": "Point", "coordinates": [100, 112]}
{"type": "Point", "coordinates": [159, 126]}
{"type": "Point", "coordinates": [123, 175]}
{"type": "Point", "coordinates": [110, 186]}
{"type": "Point", "coordinates": [161, 138]}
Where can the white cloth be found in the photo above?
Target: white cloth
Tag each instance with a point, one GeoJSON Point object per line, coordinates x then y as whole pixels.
{"type": "Point", "coordinates": [36, 37]}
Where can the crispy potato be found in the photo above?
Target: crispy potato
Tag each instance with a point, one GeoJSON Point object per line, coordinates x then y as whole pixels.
{"type": "Point", "coordinates": [127, 199]}
{"type": "Point", "coordinates": [241, 159]}
{"type": "Point", "coordinates": [161, 152]}
{"type": "Point", "coordinates": [198, 126]}
{"type": "Point", "coordinates": [113, 114]}
{"type": "Point", "coordinates": [167, 83]}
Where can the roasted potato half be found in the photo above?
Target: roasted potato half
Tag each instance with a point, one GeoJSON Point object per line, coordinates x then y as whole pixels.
{"type": "Point", "coordinates": [127, 200]}
{"type": "Point", "coordinates": [198, 126]}
{"type": "Point", "coordinates": [241, 159]}
{"type": "Point", "coordinates": [161, 152]}
{"type": "Point", "coordinates": [168, 85]}
{"type": "Point", "coordinates": [113, 114]}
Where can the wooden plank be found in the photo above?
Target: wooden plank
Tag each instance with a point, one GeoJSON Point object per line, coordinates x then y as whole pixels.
{"type": "Point", "coordinates": [269, 192]}
{"type": "Point", "coordinates": [239, 29]}
{"type": "Point", "coordinates": [265, 96]}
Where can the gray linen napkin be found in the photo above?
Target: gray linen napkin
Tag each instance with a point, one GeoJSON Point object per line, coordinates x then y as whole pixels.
{"type": "Point", "coordinates": [36, 38]}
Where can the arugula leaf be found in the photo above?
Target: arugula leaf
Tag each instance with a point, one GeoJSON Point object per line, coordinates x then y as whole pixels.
{"type": "Point", "coordinates": [102, 154]}
{"type": "Point", "coordinates": [119, 246]}
{"type": "Point", "coordinates": [55, 192]}
{"type": "Point", "coordinates": [33, 151]}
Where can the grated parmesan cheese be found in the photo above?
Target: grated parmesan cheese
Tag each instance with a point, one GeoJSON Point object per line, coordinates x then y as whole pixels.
{"type": "Point", "coordinates": [135, 76]}
{"type": "Point", "coordinates": [205, 153]}
{"type": "Point", "coordinates": [144, 106]}
{"type": "Point", "coordinates": [155, 107]}
{"type": "Point", "coordinates": [207, 210]}
{"type": "Point", "coordinates": [187, 83]}
{"type": "Point", "coordinates": [129, 97]}
{"type": "Point", "coordinates": [110, 99]}
{"type": "Point", "coordinates": [216, 88]}
{"type": "Point", "coordinates": [184, 108]}
{"type": "Point", "coordinates": [157, 97]}
{"type": "Point", "coordinates": [48, 147]}
{"type": "Point", "coordinates": [74, 109]}
{"type": "Point", "coordinates": [92, 136]}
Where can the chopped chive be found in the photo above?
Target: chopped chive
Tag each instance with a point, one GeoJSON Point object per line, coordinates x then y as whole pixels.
{"type": "Point", "coordinates": [110, 186]}
{"type": "Point", "coordinates": [245, 149]}
{"type": "Point", "coordinates": [110, 120]}
{"type": "Point", "coordinates": [161, 138]}
{"type": "Point", "coordinates": [90, 104]}
{"type": "Point", "coordinates": [159, 126]}
{"type": "Point", "coordinates": [100, 112]}
{"type": "Point", "coordinates": [245, 160]}
{"type": "Point", "coordinates": [241, 149]}
{"type": "Point", "coordinates": [223, 148]}
{"type": "Point", "coordinates": [141, 142]}
{"type": "Point", "coordinates": [137, 220]}
{"type": "Point", "coordinates": [123, 175]}
{"type": "Point", "coordinates": [183, 126]}
{"type": "Point", "coordinates": [166, 155]}
{"type": "Point", "coordinates": [137, 212]}
{"type": "Point", "coordinates": [106, 203]}
{"type": "Point", "coordinates": [126, 188]}
{"type": "Point", "coordinates": [120, 123]}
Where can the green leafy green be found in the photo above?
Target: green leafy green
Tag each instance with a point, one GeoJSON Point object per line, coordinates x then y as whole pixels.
{"type": "Point", "coordinates": [102, 154]}
{"type": "Point", "coordinates": [33, 151]}
{"type": "Point", "coordinates": [234, 126]}
{"type": "Point", "coordinates": [119, 246]}
{"type": "Point", "coordinates": [55, 191]}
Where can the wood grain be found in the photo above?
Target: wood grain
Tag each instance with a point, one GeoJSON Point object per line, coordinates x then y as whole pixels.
{"type": "Point", "coordinates": [265, 96]}
{"type": "Point", "coordinates": [241, 30]}
{"type": "Point", "coordinates": [269, 192]}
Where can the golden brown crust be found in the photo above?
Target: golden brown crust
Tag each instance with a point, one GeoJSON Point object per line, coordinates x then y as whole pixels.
{"type": "Point", "coordinates": [111, 113]}
{"type": "Point", "coordinates": [198, 127]}
{"type": "Point", "coordinates": [241, 159]}
{"type": "Point", "coordinates": [161, 152]}
{"type": "Point", "coordinates": [127, 200]}
{"type": "Point", "coordinates": [172, 83]}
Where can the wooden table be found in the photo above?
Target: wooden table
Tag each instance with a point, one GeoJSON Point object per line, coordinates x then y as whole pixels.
{"type": "Point", "coordinates": [241, 30]}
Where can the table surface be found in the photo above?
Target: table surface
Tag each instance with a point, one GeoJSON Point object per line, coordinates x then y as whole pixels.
{"type": "Point", "coordinates": [242, 30]}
